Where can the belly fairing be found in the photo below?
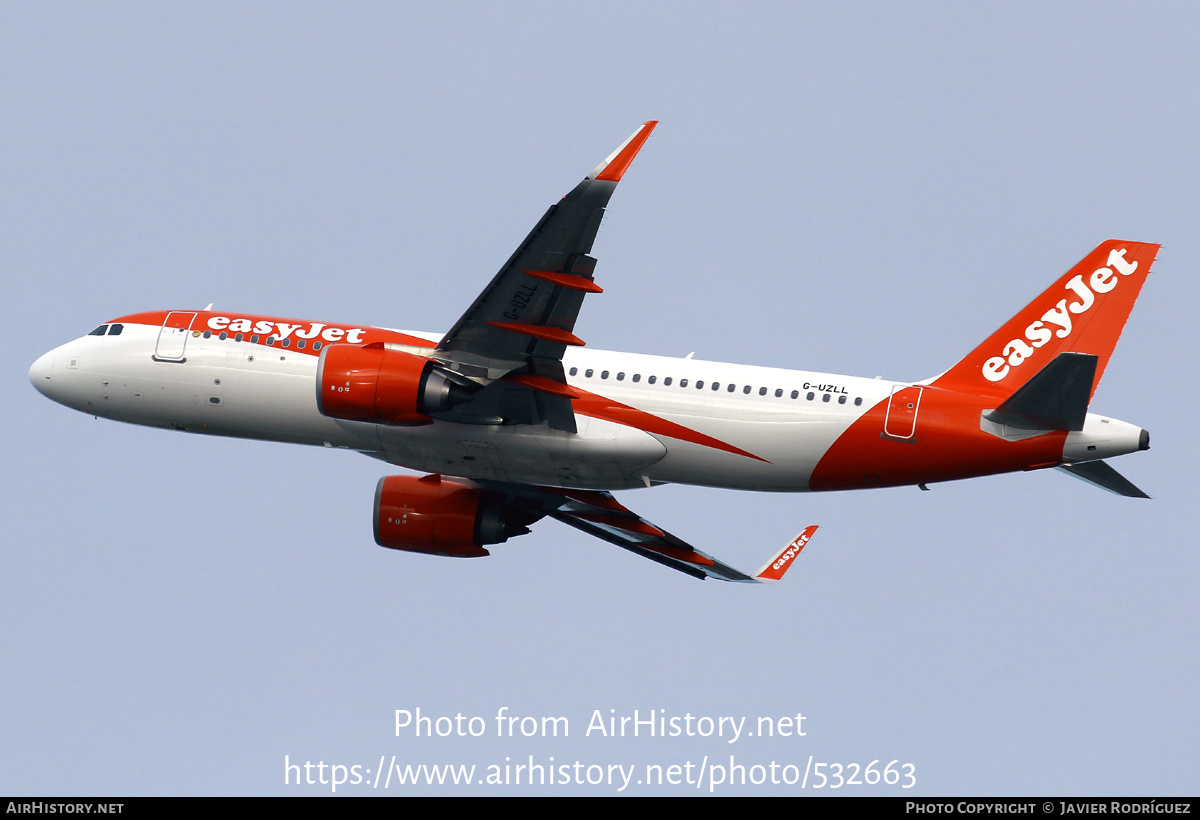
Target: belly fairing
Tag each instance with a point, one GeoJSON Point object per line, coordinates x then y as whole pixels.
{"type": "Point", "coordinates": [602, 455]}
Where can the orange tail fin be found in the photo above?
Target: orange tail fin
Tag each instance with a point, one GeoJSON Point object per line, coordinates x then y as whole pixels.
{"type": "Point", "coordinates": [1083, 312]}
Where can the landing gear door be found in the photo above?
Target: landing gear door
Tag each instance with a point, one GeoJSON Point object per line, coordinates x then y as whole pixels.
{"type": "Point", "coordinates": [901, 419]}
{"type": "Point", "coordinates": [172, 339]}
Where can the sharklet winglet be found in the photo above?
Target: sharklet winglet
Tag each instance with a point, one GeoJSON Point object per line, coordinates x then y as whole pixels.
{"type": "Point", "coordinates": [618, 162]}
{"type": "Point", "coordinates": [781, 561]}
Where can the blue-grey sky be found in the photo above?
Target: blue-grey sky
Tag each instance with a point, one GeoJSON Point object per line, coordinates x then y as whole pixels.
{"type": "Point", "coordinates": [868, 189]}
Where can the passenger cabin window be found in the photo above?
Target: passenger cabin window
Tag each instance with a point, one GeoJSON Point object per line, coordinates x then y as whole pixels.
{"type": "Point", "coordinates": [667, 381]}
{"type": "Point", "coordinates": [652, 379]}
{"type": "Point", "coordinates": [795, 394]}
{"type": "Point", "coordinates": [858, 402]}
{"type": "Point", "coordinates": [621, 377]}
{"type": "Point", "coordinates": [762, 391]}
{"type": "Point", "coordinates": [637, 377]}
{"type": "Point", "coordinates": [778, 393]}
{"type": "Point", "coordinates": [746, 390]}
{"type": "Point", "coordinates": [574, 370]}
{"type": "Point", "coordinates": [683, 382]}
{"type": "Point", "coordinates": [100, 331]}
{"type": "Point", "coordinates": [588, 372]}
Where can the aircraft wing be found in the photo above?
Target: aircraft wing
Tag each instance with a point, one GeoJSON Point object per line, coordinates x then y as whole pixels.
{"type": "Point", "coordinates": [524, 320]}
{"type": "Point", "coordinates": [600, 514]}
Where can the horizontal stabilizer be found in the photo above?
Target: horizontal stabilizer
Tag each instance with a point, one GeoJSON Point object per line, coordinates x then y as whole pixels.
{"type": "Point", "coordinates": [1055, 398]}
{"type": "Point", "coordinates": [1102, 475]}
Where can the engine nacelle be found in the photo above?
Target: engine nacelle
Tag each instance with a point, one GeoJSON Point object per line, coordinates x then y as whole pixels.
{"type": "Point", "coordinates": [376, 384]}
{"type": "Point", "coordinates": [436, 515]}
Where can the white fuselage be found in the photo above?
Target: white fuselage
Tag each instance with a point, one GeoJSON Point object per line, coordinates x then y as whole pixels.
{"type": "Point", "coordinates": [785, 419]}
{"type": "Point", "coordinates": [641, 419]}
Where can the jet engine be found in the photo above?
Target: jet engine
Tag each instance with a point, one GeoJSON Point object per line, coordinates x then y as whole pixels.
{"type": "Point", "coordinates": [376, 384]}
{"type": "Point", "coordinates": [440, 516]}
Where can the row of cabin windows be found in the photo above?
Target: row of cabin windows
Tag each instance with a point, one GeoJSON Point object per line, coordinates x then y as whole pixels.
{"type": "Point", "coordinates": [115, 330]}
{"type": "Point", "coordinates": [270, 340]}
{"type": "Point", "coordinates": [715, 386]}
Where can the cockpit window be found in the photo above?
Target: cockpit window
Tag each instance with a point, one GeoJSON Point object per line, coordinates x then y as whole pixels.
{"type": "Point", "coordinates": [100, 331]}
{"type": "Point", "coordinates": [115, 330]}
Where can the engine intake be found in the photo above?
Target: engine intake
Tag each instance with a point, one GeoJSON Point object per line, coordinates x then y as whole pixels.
{"type": "Point", "coordinates": [440, 516]}
{"type": "Point", "coordinates": [376, 384]}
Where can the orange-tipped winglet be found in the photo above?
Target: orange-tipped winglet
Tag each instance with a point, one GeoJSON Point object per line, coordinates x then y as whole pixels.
{"type": "Point", "coordinates": [774, 569]}
{"type": "Point", "coordinates": [618, 162]}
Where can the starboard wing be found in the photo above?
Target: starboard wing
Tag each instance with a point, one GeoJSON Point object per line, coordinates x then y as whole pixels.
{"type": "Point", "coordinates": [513, 336]}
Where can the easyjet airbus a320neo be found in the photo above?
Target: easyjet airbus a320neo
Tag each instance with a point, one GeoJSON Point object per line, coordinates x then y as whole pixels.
{"type": "Point", "coordinates": [513, 419]}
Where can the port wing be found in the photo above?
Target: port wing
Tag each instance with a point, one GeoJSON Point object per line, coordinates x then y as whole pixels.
{"type": "Point", "coordinates": [600, 514]}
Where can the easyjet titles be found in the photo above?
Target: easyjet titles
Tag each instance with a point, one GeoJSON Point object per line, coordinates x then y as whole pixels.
{"type": "Point", "coordinates": [283, 330]}
{"type": "Point", "coordinates": [1017, 351]}
{"type": "Point", "coordinates": [793, 550]}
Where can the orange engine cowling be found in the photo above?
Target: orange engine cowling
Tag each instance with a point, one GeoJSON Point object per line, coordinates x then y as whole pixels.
{"type": "Point", "coordinates": [439, 516]}
{"type": "Point", "coordinates": [376, 384]}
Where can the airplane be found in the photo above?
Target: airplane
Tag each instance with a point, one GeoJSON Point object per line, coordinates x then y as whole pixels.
{"type": "Point", "coordinates": [512, 419]}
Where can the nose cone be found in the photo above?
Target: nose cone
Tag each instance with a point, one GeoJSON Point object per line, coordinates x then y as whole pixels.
{"type": "Point", "coordinates": [41, 372]}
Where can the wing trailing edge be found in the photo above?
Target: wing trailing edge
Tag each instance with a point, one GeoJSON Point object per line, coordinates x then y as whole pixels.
{"type": "Point", "coordinates": [599, 514]}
